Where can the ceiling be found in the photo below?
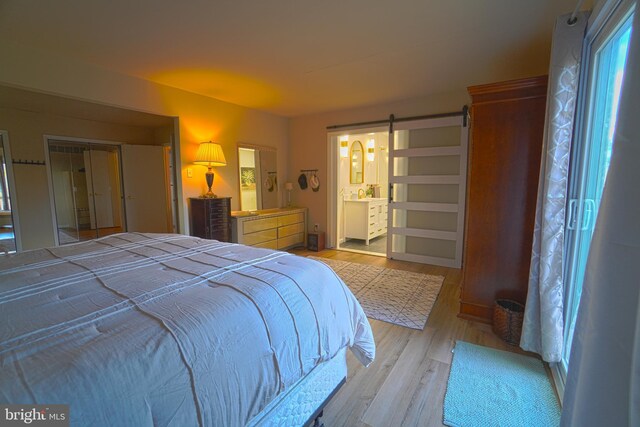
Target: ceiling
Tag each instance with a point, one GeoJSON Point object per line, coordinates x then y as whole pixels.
{"type": "Point", "coordinates": [296, 57]}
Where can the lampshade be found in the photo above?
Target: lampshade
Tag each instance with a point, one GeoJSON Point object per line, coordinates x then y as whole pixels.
{"type": "Point", "coordinates": [210, 154]}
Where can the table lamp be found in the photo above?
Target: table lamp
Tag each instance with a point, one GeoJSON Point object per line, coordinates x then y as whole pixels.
{"type": "Point", "coordinates": [288, 186]}
{"type": "Point", "coordinates": [210, 154]}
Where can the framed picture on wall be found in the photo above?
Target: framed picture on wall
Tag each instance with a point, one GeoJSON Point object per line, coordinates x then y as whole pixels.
{"type": "Point", "coordinates": [248, 178]}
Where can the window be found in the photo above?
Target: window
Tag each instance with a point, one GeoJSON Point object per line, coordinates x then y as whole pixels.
{"type": "Point", "coordinates": [591, 156]}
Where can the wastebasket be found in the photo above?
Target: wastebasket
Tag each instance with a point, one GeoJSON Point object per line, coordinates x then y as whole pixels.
{"type": "Point", "coordinates": [507, 320]}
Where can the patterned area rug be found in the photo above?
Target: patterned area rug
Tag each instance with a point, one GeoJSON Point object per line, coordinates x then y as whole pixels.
{"type": "Point", "coordinates": [400, 297]}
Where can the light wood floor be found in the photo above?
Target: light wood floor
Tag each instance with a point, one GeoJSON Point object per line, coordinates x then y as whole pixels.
{"type": "Point", "coordinates": [406, 383]}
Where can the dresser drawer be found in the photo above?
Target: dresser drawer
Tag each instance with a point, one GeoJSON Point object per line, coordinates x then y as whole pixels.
{"type": "Point", "coordinates": [290, 219]}
{"type": "Point", "coordinates": [288, 230]}
{"type": "Point", "coordinates": [252, 239]}
{"type": "Point", "coordinates": [219, 221]}
{"type": "Point", "coordinates": [215, 211]}
{"type": "Point", "coordinates": [271, 244]}
{"type": "Point", "coordinates": [223, 235]}
{"type": "Point", "coordinates": [294, 239]}
{"type": "Point", "coordinates": [216, 205]}
{"type": "Point", "coordinates": [259, 225]}
{"type": "Point", "coordinates": [274, 229]}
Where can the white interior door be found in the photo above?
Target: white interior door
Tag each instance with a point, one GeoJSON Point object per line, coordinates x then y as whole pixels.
{"type": "Point", "coordinates": [146, 189]}
{"type": "Point", "coordinates": [427, 177]}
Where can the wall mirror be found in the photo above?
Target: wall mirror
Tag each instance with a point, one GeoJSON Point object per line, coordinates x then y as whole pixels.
{"type": "Point", "coordinates": [356, 155]}
{"type": "Point", "coordinates": [7, 232]}
{"type": "Point", "coordinates": [257, 169]}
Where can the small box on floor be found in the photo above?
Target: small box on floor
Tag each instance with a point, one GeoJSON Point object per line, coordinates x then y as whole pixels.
{"type": "Point", "coordinates": [315, 241]}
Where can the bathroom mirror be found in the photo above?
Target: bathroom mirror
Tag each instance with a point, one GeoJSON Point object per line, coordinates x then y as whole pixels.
{"type": "Point", "coordinates": [258, 178]}
{"type": "Point", "coordinates": [356, 154]}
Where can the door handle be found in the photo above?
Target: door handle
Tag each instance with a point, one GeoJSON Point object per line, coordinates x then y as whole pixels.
{"type": "Point", "coordinates": [571, 215]}
{"type": "Point", "coordinates": [588, 214]}
{"type": "Point", "coordinates": [583, 223]}
{"type": "Point", "coordinates": [572, 221]}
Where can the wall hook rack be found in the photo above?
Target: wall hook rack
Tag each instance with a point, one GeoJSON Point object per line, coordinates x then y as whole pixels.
{"type": "Point", "coordinates": [29, 162]}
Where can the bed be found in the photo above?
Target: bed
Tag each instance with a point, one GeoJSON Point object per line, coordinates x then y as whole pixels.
{"type": "Point", "coordinates": [164, 329]}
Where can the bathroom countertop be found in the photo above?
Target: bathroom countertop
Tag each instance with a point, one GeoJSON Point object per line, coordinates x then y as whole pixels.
{"type": "Point", "coordinates": [366, 199]}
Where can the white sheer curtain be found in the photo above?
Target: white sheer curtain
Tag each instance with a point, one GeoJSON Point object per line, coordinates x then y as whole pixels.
{"type": "Point", "coordinates": [542, 330]}
{"type": "Point", "coordinates": [604, 370]}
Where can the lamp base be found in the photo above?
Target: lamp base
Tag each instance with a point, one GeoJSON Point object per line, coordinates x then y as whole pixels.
{"type": "Point", "coordinates": [209, 176]}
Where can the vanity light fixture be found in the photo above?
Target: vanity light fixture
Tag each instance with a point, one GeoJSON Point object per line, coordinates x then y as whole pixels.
{"type": "Point", "coordinates": [371, 150]}
{"type": "Point", "coordinates": [344, 147]}
{"type": "Point", "coordinates": [210, 154]}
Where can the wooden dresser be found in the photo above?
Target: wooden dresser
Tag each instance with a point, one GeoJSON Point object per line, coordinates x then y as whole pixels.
{"type": "Point", "coordinates": [211, 218]}
{"type": "Point", "coordinates": [271, 228]}
{"type": "Point", "coordinates": [507, 124]}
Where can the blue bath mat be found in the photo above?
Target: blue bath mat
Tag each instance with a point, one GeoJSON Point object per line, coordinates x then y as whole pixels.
{"type": "Point", "coordinates": [490, 387]}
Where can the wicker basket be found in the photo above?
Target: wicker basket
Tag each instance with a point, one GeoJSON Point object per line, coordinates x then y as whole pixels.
{"type": "Point", "coordinates": [507, 320]}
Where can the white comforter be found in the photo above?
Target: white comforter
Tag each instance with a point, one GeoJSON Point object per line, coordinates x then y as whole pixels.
{"type": "Point", "coordinates": [155, 329]}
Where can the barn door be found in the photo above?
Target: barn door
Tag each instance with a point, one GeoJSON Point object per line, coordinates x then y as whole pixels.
{"type": "Point", "coordinates": [427, 179]}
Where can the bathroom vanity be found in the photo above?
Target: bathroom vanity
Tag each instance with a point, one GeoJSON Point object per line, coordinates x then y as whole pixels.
{"type": "Point", "coordinates": [365, 218]}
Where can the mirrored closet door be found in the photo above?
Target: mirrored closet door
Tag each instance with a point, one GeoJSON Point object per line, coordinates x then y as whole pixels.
{"type": "Point", "coordinates": [87, 190]}
{"type": "Point", "coordinates": [7, 230]}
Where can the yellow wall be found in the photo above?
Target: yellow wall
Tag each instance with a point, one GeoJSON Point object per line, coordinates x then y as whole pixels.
{"type": "Point", "coordinates": [201, 119]}
{"type": "Point", "coordinates": [301, 142]}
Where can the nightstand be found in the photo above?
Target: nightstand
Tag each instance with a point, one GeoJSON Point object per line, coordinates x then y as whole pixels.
{"type": "Point", "coordinates": [211, 218]}
{"type": "Point", "coordinates": [315, 241]}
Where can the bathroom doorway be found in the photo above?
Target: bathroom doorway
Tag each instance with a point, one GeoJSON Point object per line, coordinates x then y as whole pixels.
{"type": "Point", "coordinates": [362, 190]}
{"type": "Point", "coordinates": [399, 191]}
